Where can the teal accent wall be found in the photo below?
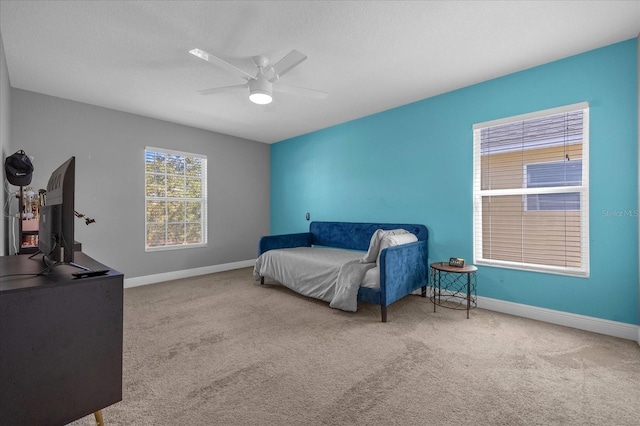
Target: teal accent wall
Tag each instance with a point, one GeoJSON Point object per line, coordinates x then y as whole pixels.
{"type": "Point", "coordinates": [414, 164]}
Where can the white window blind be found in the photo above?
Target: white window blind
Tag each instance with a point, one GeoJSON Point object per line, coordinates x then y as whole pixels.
{"type": "Point", "coordinates": [175, 199]}
{"type": "Point", "coordinates": [531, 191]}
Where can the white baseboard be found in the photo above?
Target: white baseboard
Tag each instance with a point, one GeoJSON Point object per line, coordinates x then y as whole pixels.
{"type": "Point", "coordinates": [582, 322]}
{"type": "Point", "coordinates": [176, 275]}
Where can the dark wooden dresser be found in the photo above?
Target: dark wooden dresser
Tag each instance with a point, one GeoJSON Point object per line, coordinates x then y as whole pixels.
{"type": "Point", "coordinates": [60, 341]}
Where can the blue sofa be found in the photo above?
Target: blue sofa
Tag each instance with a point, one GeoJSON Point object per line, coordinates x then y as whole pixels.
{"type": "Point", "coordinates": [403, 268]}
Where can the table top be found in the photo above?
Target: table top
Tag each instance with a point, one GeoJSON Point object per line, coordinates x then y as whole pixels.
{"type": "Point", "coordinates": [444, 266]}
{"type": "Point", "coordinates": [20, 272]}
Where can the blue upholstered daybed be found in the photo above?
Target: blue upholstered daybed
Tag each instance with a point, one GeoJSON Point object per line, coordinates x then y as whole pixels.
{"type": "Point", "coordinates": [374, 261]}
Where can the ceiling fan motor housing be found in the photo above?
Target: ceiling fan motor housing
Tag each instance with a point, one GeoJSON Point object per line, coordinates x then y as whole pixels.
{"type": "Point", "coordinates": [260, 90]}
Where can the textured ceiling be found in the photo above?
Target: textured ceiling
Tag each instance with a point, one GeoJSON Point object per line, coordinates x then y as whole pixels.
{"type": "Point", "coordinates": [369, 56]}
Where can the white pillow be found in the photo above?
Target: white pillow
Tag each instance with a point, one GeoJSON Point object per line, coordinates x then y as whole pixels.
{"type": "Point", "coordinates": [395, 240]}
{"type": "Point", "coordinates": [374, 244]}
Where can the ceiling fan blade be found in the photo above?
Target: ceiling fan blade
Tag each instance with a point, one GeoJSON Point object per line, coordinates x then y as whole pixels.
{"type": "Point", "coordinates": [301, 91]}
{"type": "Point", "coordinates": [285, 64]}
{"type": "Point", "coordinates": [221, 89]}
{"type": "Point", "coordinates": [221, 63]}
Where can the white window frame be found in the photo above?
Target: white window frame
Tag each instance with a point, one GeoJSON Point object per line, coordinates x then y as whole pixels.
{"type": "Point", "coordinates": [583, 190]}
{"type": "Point", "coordinates": [202, 200]}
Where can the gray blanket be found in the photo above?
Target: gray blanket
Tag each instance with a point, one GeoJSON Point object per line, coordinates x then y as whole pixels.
{"type": "Point", "coordinates": [349, 279]}
{"type": "Point", "coordinates": [328, 274]}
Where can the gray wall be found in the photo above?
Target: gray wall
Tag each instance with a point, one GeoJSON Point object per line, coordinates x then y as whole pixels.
{"type": "Point", "coordinates": [109, 150]}
{"type": "Point", "coordinates": [5, 94]}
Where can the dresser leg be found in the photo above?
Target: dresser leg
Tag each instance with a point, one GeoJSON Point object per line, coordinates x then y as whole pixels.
{"type": "Point", "coordinates": [98, 416]}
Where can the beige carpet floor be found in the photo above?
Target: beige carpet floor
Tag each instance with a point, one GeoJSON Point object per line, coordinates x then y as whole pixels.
{"type": "Point", "coordinates": [222, 350]}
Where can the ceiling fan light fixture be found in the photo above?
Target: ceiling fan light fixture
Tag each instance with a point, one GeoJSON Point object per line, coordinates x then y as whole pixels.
{"type": "Point", "coordinates": [260, 91]}
{"type": "Point", "coordinates": [260, 98]}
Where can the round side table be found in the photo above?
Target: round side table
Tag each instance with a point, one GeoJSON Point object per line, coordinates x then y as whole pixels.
{"type": "Point", "coordinates": [453, 287]}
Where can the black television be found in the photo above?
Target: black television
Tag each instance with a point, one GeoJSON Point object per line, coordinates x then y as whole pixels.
{"type": "Point", "coordinates": [56, 233]}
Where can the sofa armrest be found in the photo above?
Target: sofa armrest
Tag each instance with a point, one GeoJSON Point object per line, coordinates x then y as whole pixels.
{"type": "Point", "coordinates": [271, 242]}
{"type": "Point", "coordinates": [403, 269]}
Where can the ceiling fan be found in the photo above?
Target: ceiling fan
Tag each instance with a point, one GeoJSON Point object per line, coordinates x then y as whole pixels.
{"type": "Point", "coordinates": [261, 84]}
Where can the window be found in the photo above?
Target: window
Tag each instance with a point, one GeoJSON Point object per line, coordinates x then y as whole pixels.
{"type": "Point", "coordinates": [175, 199]}
{"type": "Point", "coordinates": [531, 191]}
{"type": "Point", "coordinates": [557, 173]}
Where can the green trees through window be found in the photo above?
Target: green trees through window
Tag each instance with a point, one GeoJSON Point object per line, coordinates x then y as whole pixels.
{"type": "Point", "coordinates": [175, 199]}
